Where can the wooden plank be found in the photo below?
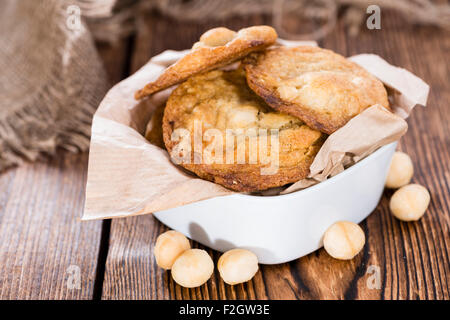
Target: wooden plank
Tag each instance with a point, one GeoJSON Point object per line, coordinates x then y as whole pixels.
{"type": "Point", "coordinates": [115, 57]}
{"type": "Point", "coordinates": [42, 241]}
{"type": "Point", "coordinates": [412, 258]}
{"type": "Point", "coordinates": [43, 244]}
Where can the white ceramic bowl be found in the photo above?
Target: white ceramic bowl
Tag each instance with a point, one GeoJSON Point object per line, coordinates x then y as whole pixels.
{"type": "Point", "coordinates": [286, 227]}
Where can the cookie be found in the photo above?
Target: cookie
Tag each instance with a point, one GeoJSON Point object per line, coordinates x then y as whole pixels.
{"type": "Point", "coordinates": [221, 103]}
{"type": "Point", "coordinates": [153, 131]}
{"type": "Point", "coordinates": [318, 86]}
{"type": "Point", "coordinates": [216, 48]}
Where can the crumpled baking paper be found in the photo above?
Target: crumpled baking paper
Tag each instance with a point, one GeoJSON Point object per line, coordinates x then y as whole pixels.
{"type": "Point", "coordinates": [129, 176]}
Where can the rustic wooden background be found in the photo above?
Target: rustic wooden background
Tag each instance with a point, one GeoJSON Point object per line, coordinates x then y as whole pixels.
{"type": "Point", "coordinates": [43, 242]}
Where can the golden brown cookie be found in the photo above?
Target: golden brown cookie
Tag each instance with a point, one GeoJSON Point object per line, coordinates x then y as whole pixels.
{"type": "Point", "coordinates": [208, 105]}
{"type": "Point", "coordinates": [153, 132]}
{"type": "Point", "coordinates": [216, 48]}
{"type": "Point", "coordinates": [320, 87]}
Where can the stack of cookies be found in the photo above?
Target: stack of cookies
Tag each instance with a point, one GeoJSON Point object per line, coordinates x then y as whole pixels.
{"type": "Point", "coordinates": [258, 123]}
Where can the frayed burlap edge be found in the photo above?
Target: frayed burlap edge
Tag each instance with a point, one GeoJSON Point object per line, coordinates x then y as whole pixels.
{"type": "Point", "coordinates": [58, 111]}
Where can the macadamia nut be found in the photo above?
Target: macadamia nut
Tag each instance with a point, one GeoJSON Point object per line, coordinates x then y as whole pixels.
{"type": "Point", "coordinates": [344, 240]}
{"type": "Point", "coordinates": [217, 37]}
{"type": "Point", "coordinates": [237, 266]}
{"type": "Point", "coordinates": [193, 268]}
{"type": "Point", "coordinates": [400, 171]}
{"type": "Point", "coordinates": [410, 202]}
{"type": "Point", "coordinates": [169, 246]}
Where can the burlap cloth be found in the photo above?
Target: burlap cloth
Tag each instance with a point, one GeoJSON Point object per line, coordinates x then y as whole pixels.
{"type": "Point", "coordinates": [52, 80]}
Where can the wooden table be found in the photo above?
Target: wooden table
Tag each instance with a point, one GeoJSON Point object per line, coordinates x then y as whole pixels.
{"type": "Point", "coordinates": [44, 246]}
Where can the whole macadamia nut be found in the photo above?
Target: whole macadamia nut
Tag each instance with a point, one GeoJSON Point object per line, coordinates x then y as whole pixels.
{"type": "Point", "coordinates": [400, 171]}
{"type": "Point", "coordinates": [237, 266]}
{"type": "Point", "coordinates": [344, 240]}
{"type": "Point", "coordinates": [193, 268]}
{"type": "Point", "coordinates": [169, 246]}
{"type": "Point", "coordinates": [217, 37]}
{"type": "Point", "coordinates": [410, 202]}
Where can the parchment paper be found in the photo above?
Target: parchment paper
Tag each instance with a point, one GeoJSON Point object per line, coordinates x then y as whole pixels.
{"type": "Point", "coordinates": [129, 176]}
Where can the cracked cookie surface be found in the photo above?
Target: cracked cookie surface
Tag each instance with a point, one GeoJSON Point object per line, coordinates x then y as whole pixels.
{"type": "Point", "coordinates": [320, 87]}
{"type": "Point", "coordinates": [216, 48]}
{"type": "Point", "coordinates": [220, 102]}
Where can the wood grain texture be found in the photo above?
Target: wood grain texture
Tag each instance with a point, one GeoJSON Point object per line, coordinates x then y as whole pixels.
{"type": "Point", "coordinates": [412, 258]}
{"type": "Point", "coordinates": [40, 232]}
{"type": "Point", "coordinates": [42, 240]}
